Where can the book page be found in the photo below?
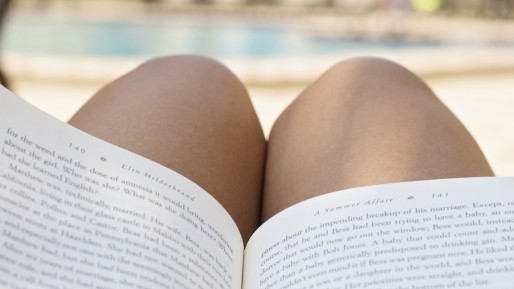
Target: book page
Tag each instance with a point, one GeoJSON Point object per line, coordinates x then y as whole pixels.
{"type": "Point", "coordinates": [455, 233]}
{"type": "Point", "coordinates": [77, 212]}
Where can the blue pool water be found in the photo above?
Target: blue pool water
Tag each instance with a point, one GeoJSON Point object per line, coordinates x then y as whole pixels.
{"type": "Point", "coordinates": [147, 38]}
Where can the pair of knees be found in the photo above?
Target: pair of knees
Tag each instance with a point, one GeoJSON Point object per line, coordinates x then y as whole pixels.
{"type": "Point", "coordinates": [362, 72]}
{"type": "Point", "coordinates": [349, 84]}
{"type": "Point", "coordinates": [364, 121]}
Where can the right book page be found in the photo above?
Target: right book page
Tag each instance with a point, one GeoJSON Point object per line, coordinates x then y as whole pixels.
{"type": "Point", "coordinates": [451, 233]}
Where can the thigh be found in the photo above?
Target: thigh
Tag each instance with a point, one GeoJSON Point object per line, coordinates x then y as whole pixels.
{"type": "Point", "coordinates": [194, 116]}
{"type": "Point", "coordinates": [364, 122]}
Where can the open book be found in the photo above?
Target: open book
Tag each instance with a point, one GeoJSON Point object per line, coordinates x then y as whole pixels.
{"type": "Point", "coordinates": [77, 212]}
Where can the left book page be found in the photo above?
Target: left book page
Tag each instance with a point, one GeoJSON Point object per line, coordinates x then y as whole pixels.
{"type": "Point", "coordinates": [77, 212]}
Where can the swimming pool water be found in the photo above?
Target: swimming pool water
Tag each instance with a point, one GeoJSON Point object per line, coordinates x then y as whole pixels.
{"type": "Point", "coordinates": [235, 39]}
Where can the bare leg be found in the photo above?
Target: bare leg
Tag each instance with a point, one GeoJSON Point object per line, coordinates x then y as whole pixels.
{"type": "Point", "coordinates": [192, 115]}
{"type": "Point", "coordinates": [364, 122]}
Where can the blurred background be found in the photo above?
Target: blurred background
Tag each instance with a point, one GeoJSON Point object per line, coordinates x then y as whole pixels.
{"type": "Point", "coordinates": [57, 53]}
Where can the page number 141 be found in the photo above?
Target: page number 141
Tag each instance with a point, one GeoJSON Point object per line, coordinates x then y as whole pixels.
{"type": "Point", "coordinates": [439, 195]}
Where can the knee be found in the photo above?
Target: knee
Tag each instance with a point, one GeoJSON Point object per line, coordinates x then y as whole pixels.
{"type": "Point", "coordinates": [367, 80]}
{"type": "Point", "coordinates": [373, 77]}
{"type": "Point", "coordinates": [189, 62]}
{"type": "Point", "coordinates": [363, 66]}
{"type": "Point", "coordinates": [361, 86]}
{"type": "Point", "coordinates": [187, 70]}
{"type": "Point", "coordinates": [195, 83]}
{"type": "Point", "coordinates": [187, 66]}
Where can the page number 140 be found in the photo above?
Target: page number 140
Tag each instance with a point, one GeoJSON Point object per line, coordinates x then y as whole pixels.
{"type": "Point", "coordinates": [76, 148]}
